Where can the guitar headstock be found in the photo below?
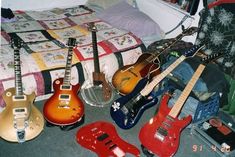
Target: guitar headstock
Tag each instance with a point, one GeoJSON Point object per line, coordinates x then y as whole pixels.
{"type": "Point", "coordinates": [16, 43]}
{"type": "Point", "coordinates": [192, 52]}
{"type": "Point", "coordinates": [71, 42]}
{"type": "Point", "coordinates": [211, 57]}
{"type": "Point", "coordinates": [92, 27]}
{"type": "Point", "coordinates": [189, 31]}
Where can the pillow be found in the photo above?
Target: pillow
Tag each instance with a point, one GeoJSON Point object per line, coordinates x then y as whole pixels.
{"type": "Point", "coordinates": [124, 16]}
{"type": "Point", "coordinates": [100, 5]}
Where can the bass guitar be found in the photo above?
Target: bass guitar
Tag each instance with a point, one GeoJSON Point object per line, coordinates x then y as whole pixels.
{"type": "Point", "coordinates": [20, 120]}
{"type": "Point", "coordinates": [127, 110]}
{"type": "Point", "coordinates": [103, 139]}
{"type": "Point", "coordinates": [126, 78]}
{"type": "Point", "coordinates": [161, 134]}
{"type": "Point", "coordinates": [64, 107]}
{"type": "Point", "coordinates": [99, 92]}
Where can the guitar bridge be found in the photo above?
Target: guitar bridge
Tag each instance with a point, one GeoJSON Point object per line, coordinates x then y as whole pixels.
{"type": "Point", "coordinates": [20, 123]}
{"type": "Point", "coordinates": [161, 134]}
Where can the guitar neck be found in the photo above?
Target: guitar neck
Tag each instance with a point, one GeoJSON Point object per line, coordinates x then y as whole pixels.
{"type": "Point", "coordinates": [149, 87]}
{"type": "Point", "coordinates": [165, 47]}
{"type": "Point", "coordinates": [67, 75]}
{"type": "Point", "coordinates": [18, 79]}
{"type": "Point", "coordinates": [184, 95]}
{"type": "Point", "coordinates": [95, 52]}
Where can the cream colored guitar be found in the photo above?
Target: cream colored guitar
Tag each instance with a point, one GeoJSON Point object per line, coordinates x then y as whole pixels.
{"type": "Point", "coordinates": [20, 121]}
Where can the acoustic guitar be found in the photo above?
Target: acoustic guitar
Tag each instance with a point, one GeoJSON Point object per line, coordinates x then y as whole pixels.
{"type": "Point", "coordinates": [20, 120]}
{"type": "Point", "coordinates": [64, 107]}
{"type": "Point", "coordinates": [103, 139]}
{"type": "Point", "coordinates": [98, 93]}
{"type": "Point", "coordinates": [161, 134]}
{"type": "Point", "coordinates": [126, 78]}
{"type": "Point", "coordinates": [127, 110]}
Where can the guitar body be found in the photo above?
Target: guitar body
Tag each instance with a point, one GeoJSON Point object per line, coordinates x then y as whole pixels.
{"type": "Point", "coordinates": [126, 78]}
{"type": "Point", "coordinates": [127, 110]}
{"type": "Point", "coordinates": [103, 139]}
{"type": "Point", "coordinates": [163, 145]}
{"type": "Point", "coordinates": [34, 118]}
{"type": "Point", "coordinates": [64, 107]}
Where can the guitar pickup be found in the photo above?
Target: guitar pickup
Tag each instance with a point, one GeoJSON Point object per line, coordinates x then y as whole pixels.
{"type": "Point", "coordinates": [102, 137]}
{"type": "Point", "coordinates": [64, 97]}
{"type": "Point", "coordinates": [19, 112]}
{"type": "Point", "coordinates": [124, 110]}
{"type": "Point", "coordinates": [63, 87]}
{"type": "Point", "coordinates": [19, 98]}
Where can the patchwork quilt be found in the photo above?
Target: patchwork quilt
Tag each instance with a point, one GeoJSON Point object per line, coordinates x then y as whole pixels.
{"type": "Point", "coordinates": [44, 52]}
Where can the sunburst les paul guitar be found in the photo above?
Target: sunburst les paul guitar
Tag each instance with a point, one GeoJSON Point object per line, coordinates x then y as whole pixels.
{"type": "Point", "coordinates": [127, 110]}
{"type": "Point", "coordinates": [161, 134]}
{"type": "Point", "coordinates": [64, 107]}
{"type": "Point", "coordinates": [20, 121]}
{"type": "Point", "coordinates": [126, 78]}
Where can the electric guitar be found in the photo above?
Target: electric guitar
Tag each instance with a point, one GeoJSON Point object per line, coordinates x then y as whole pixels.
{"type": "Point", "coordinates": [103, 139]}
{"type": "Point", "coordinates": [64, 107]}
{"type": "Point", "coordinates": [20, 120]}
{"type": "Point", "coordinates": [126, 78]}
{"type": "Point", "coordinates": [127, 110]}
{"type": "Point", "coordinates": [161, 134]}
{"type": "Point", "coordinates": [98, 93]}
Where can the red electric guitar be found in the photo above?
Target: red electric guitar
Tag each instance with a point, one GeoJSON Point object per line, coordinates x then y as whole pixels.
{"type": "Point", "coordinates": [64, 107]}
{"type": "Point", "coordinates": [162, 133]}
{"type": "Point", "coordinates": [102, 138]}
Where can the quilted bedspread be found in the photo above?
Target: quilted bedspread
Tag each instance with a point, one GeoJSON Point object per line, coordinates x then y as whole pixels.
{"type": "Point", "coordinates": [44, 52]}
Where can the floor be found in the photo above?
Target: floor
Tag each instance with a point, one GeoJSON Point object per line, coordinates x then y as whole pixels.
{"type": "Point", "coordinates": [53, 142]}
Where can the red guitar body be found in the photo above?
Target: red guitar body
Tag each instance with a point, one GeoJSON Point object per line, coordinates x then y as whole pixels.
{"type": "Point", "coordinates": [161, 134]}
{"type": "Point", "coordinates": [64, 107]}
{"type": "Point", "coordinates": [102, 138]}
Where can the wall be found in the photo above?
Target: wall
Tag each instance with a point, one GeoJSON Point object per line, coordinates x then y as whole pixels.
{"type": "Point", "coordinates": [168, 17]}
{"type": "Point", "coordinates": [39, 4]}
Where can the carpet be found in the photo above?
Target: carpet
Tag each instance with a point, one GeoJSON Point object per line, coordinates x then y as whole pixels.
{"type": "Point", "coordinates": [54, 142]}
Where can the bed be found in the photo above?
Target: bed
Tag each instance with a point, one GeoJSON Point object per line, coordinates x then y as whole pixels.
{"type": "Point", "coordinates": [43, 54]}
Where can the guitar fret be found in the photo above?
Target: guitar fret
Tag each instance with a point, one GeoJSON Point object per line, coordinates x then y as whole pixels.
{"type": "Point", "coordinates": [18, 79]}
{"type": "Point", "coordinates": [149, 87]}
{"type": "Point", "coordinates": [184, 95]}
{"type": "Point", "coordinates": [67, 74]}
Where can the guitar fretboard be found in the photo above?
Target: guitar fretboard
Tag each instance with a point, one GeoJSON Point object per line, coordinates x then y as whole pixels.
{"type": "Point", "coordinates": [18, 79]}
{"type": "Point", "coordinates": [184, 95]}
{"type": "Point", "coordinates": [95, 52]}
{"type": "Point", "coordinates": [67, 75]}
{"type": "Point", "coordinates": [149, 87]}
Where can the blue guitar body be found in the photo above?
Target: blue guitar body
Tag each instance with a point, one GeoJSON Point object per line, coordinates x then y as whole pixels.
{"type": "Point", "coordinates": [127, 110]}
